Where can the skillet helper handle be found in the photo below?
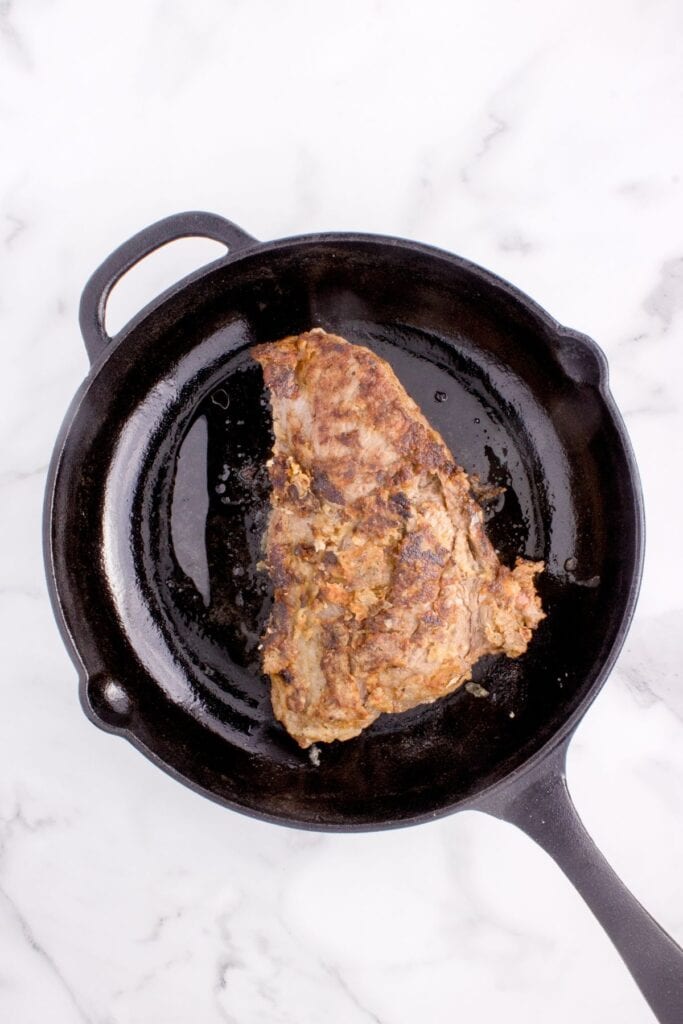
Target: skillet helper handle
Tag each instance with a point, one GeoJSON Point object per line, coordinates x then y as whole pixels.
{"type": "Point", "coordinates": [544, 810]}
{"type": "Point", "coordinates": [195, 224]}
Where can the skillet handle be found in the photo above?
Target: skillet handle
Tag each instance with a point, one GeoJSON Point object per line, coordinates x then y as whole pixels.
{"type": "Point", "coordinates": [194, 224]}
{"type": "Point", "coordinates": [542, 807]}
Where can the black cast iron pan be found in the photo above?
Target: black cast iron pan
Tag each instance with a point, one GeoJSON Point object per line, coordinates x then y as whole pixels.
{"type": "Point", "coordinates": [156, 503]}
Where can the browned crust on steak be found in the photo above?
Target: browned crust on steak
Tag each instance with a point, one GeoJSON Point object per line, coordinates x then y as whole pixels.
{"type": "Point", "coordinates": [387, 589]}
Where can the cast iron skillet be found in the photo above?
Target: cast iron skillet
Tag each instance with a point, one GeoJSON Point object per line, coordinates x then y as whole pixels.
{"type": "Point", "coordinates": [156, 502]}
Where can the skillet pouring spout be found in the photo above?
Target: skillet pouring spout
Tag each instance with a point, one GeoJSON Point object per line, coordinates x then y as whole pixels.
{"type": "Point", "coordinates": [539, 803]}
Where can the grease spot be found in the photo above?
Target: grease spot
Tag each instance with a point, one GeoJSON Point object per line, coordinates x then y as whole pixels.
{"type": "Point", "coordinates": [221, 398]}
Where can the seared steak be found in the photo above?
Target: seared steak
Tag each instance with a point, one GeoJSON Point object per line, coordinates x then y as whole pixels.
{"type": "Point", "coordinates": [387, 589]}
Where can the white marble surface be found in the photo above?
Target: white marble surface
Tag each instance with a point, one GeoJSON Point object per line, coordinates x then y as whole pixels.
{"type": "Point", "coordinates": [541, 140]}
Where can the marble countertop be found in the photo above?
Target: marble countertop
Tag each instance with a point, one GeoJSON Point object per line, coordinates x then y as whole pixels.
{"type": "Point", "coordinates": [541, 140]}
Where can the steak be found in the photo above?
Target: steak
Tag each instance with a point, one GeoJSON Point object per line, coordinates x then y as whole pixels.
{"type": "Point", "coordinates": [386, 588]}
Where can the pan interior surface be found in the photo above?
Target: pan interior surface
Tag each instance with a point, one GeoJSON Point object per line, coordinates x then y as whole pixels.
{"type": "Point", "coordinates": [181, 444]}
